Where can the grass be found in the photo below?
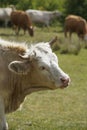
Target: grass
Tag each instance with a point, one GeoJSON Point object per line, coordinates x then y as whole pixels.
{"type": "Point", "coordinates": [59, 109]}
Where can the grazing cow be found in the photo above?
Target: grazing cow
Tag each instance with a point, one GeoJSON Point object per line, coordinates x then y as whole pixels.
{"type": "Point", "coordinates": [75, 24]}
{"type": "Point", "coordinates": [5, 15]}
{"type": "Point", "coordinates": [43, 17]}
{"type": "Point", "coordinates": [25, 70]}
{"type": "Point", "coordinates": [21, 20]}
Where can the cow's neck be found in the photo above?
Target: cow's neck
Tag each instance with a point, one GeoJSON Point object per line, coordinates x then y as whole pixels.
{"type": "Point", "coordinates": [20, 86]}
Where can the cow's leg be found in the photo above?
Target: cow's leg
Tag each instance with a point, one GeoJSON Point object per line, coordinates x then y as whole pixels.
{"type": "Point", "coordinates": [6, 23]}
{"type": "Point", "coordinates": [24, 31]}
{"type": "Point", "coordinates": [65, 33]}
{"type": "Point", "coordinates": [18, 30]}
{"type": "Point", "coordinates": [70, 34]}
{"type": "Point", "coordinates": [3, 124]}
{"type": "Point", "coordinates": [47, 25]}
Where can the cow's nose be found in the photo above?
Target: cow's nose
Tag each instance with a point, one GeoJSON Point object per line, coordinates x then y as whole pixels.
{"type": "Point", "coordinates": [65, 81]}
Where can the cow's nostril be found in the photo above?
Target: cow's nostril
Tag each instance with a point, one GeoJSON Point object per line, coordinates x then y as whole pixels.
{"type": "Point", "coordinates": [64, 80]}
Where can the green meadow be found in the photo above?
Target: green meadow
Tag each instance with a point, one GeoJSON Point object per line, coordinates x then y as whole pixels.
{"type": "Point", "coordinates": [61, 109]}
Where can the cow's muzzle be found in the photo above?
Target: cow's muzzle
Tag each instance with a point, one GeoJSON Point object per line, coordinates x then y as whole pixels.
{"type": "Point", "coordinates": [65, 82]}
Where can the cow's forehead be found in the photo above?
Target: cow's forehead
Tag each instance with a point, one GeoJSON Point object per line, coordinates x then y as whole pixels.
{"type": "Point", "coordinates": [47, 57]}
{"type": "Point", "coordinates": [50, 57]}
{"type": "Point", "coordinates": [43, 52]}
{"type": "Point", "coordinates": [40, 47]}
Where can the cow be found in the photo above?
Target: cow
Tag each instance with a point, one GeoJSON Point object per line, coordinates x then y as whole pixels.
{"type": "Point", "coordinates": [5, 14]}
{"type": "Point", "coordinates": [21, 20]}
{"type": "Point", "coordinates": [75, 24]}
{"type": "Point", "coordinates": [24, 70]}
{"type": "Point", "coordinates": [43, 17]}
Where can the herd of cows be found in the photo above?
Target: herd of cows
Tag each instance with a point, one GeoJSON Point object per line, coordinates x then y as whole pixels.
{"type": "Point", "coordinates": [26, 19]}
{"type": "Point", "coordinates": [24, 70]}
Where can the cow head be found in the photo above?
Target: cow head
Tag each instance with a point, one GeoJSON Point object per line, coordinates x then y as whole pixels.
{"type": "Point", "coordinates": [57, 14]}
{"type": "Point", "coordinates": [31, 31]}
{"type": "Point", "coordinates": [40, 65]}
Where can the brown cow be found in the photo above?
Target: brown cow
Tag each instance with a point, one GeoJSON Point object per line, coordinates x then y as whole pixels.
{"type": "Point", "coordinates": [21, 20]}
{"type": "Point", "coordinates": [75, 24]}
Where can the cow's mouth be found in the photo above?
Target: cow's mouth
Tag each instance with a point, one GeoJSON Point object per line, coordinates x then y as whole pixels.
{"type": "Point", "coordinates": [62, 87]}
{"type": "Point", "coordinates": [65, 85]}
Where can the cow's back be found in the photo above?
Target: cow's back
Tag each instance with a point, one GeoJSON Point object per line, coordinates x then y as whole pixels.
{"type": "Point", "coordinates": [75, 23]}
{"type": "Point", "coordinates": [20, 18]}
{"type": "Point", "coordinates": [71, 22]}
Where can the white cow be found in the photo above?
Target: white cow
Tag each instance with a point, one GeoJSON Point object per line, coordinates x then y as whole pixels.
{"type": "Point", "coordinates": [43, 17]}
{"type": "Point", "coordinates": [25, 70]}
{"type": "Point", "coordinates": [5, 14]}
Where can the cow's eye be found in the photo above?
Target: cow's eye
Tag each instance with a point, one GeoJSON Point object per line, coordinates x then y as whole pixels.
{"type": "Point", "coordinates": [42, 68]}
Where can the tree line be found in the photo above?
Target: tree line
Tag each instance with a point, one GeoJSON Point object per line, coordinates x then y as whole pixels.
{"type": "Point", "coordinates": [77, 7]}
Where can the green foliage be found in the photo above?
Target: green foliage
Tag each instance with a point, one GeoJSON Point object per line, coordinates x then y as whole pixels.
{"type": "Point", "coordinates": [24, 4]}
{"type": "Point", "coordinates": [34, 4]}
{"type": "Point", "coordinates": [77, 7]}
{"type": "Point", "coordinates": [4, 3]}
{"type": "Point", "coordinates": [38, 4]}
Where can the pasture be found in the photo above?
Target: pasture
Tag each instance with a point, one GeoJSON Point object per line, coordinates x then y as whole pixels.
{"type": "Point", "coordinates": [61, 109]}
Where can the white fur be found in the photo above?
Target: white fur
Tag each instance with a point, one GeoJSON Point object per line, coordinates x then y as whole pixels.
{"type": "Point", "coordinates": [7, 43]}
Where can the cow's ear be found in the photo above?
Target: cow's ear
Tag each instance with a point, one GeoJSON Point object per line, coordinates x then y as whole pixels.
{"type": "Point", "coordinates": [53, 41]}
{"type": "Point", "coordinates": [19, 67]}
